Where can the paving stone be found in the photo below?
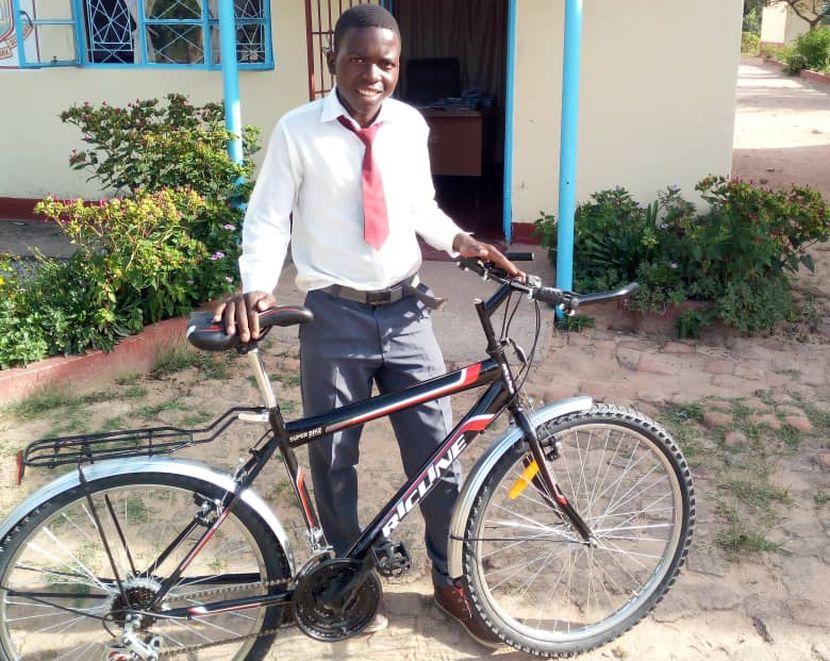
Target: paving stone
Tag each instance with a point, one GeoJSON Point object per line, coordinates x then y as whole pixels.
{"type": "Point", "coordinates": [810, 613]}
{"type": "Point", "coordinates": [628, 358]}
{"type": "Point", "coordinates": [652, 397]}
{"type": "Point", "coordinates": [781, 397]}
{"type": "Point", "coordinates": [765, 419]}
{"type": "Point", "coordinates": [678, 347]}
{"type": "Point", "coordinates": [719, 367]}
{"type": "Point", "coordinates": [813, 376]}
{"type": "Point", "coordinates": [790, 410]}
{"type": "Point", "coordinates": [715, 419]}
{"type": "Point", "coordinates": [736, 385]}
{"type": "Point", "coordinates": [749, 372]}
{"type": "Point", "coordinates": [799, 423]}
{"type": "Point", "coordinates": [735, 439]}
{"type": "Point", "coordinates": [824, 460]}
{"type": "Point", "coordinates": [659, 364]}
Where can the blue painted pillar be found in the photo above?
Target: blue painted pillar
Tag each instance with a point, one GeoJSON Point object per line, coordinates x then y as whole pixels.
{"type": "Point", "coordinates": [230, 78]}
{"type": "Point", "coordinates": [572, 66]}
{"type": "Point", "coordinates": [509, 106]}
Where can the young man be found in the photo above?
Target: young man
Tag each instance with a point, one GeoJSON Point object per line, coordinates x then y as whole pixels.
{"type": "Point", "coordinates": [347, 180]}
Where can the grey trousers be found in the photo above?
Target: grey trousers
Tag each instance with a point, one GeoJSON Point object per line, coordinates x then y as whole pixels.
{"type": "Point", "coordinates": [348, 348]}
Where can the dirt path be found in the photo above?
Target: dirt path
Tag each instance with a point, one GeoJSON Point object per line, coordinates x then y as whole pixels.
{"type": "Point", "coordinates": [751, 414]}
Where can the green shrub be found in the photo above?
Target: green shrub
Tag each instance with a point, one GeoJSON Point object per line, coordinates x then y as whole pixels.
{"type": "Point", "coordinates": [777, 53]}
{"type": "Point", "coordinates": [795, 63]}
{"type": "Point", "coordinates": [814, 46]}
{"type": "Point", "coordinates": [734, 257]}
{"type": "Point", "coordinates": [170, 243]}
{"type": "Point", "coordinates": [750, 43]}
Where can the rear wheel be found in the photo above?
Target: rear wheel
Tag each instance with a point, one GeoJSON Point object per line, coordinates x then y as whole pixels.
{"type": "Point", "coordinates": [533, 579]}
{"type": "Point", "coordinates": [59, 598]}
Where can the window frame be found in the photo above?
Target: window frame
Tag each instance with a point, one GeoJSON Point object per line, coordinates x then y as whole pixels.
{"type": "Point", "coordinates": [82, 42]}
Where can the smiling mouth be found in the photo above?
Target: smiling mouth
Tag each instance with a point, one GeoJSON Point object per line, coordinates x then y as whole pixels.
{"type": "Point", "coordinates": [369, 93]}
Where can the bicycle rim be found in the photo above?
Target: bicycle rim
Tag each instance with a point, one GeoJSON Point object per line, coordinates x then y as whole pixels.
{"type": "Point", "coordinates": [533, 574]}
{"type": "Point", "coordinates": [58, 588]}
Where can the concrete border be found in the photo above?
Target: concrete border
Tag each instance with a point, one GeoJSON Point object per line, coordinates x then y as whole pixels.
{"type": "Point", "coordinates": [136, 353]}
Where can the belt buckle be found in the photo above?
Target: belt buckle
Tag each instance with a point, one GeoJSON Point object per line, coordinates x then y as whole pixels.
{"type": "Point", "coordinates": [378, 297]}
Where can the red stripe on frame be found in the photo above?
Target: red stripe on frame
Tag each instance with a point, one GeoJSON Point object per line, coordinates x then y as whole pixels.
{"type": "Point", "coordinates": [469, 375]}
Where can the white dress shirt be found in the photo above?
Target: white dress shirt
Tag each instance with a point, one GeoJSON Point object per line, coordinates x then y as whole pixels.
{"type": "Point", "coordinates": [309, 191]}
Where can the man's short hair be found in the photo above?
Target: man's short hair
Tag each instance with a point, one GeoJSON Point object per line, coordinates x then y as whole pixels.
{"type": "Point", "coordinates": [364, 16]}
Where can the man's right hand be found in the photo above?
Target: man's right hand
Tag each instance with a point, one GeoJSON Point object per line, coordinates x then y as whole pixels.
{"type": "Point", "coordinates": [241, 313]}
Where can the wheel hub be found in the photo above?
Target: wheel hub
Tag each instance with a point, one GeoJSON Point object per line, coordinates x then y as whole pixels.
{"type": "Point", "coordinates": [140, 593]}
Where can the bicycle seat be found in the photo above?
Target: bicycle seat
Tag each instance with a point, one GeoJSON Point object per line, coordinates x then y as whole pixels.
{"type": "Point", "coordinates": [204, 333]}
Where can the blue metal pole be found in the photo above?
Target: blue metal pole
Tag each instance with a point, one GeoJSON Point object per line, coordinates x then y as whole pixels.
{"type": "Point", "coordinates": [568, 149]}
{"type": "Point", "coordinates": [509, 105]}
{"type": "Point", "coordinates": [230, 78]}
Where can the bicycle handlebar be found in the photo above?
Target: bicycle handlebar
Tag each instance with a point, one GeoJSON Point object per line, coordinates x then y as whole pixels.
{"type": "Point", "coordinates": [567, 301]}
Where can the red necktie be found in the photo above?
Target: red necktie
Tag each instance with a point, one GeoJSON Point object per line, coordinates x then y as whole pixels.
{"type": "Point", "coordinates": [375, 218]}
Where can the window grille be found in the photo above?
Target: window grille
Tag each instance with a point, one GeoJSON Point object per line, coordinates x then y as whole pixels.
{"type": "Point", "coordinates": [321, 17]}
{"type": "Point", "coordinates": [181, 33]}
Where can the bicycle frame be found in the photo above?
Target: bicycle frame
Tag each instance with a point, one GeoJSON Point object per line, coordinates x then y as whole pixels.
{"type": "Point", "coordinates": [287, 436]}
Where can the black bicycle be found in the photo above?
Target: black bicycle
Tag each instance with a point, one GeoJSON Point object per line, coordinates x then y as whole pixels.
{"type": "Point", "coordinates": [569, 529]}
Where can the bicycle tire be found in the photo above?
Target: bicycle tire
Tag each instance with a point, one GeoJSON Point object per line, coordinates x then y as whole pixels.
{"type": "Point", "coordinates": [75, 554]}
{"type": "Point", "coordinates": [507, 614]}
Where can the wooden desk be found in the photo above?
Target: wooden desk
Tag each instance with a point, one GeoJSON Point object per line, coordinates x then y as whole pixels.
{"type": "Point", "coordinates": [456, 142]}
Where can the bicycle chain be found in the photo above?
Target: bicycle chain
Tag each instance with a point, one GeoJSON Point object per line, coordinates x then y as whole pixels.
{"type": "Point", "coordinates": [167, 654]}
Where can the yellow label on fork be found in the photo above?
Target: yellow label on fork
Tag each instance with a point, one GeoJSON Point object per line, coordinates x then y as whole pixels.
{"type": "Point", "coordinates": [524, 479]}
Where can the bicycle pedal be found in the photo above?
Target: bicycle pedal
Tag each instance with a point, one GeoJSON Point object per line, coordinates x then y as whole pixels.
{"type": "Point", "coordinates": [392, 559]}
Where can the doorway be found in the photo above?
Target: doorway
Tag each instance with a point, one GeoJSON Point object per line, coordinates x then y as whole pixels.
{"type": "Point", "coordinates": [453, 69]}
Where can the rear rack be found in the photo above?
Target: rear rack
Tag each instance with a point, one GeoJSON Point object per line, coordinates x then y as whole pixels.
{"type": "Point", "coordinates": [89, 448]}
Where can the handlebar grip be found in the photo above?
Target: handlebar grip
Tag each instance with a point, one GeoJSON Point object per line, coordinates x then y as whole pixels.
{"type": "Point", "coordinates": [520, 256]}
{"type": "Point", "coordinates": [623, 292]}
{"type": "Point", "coordinates": [549, 295]}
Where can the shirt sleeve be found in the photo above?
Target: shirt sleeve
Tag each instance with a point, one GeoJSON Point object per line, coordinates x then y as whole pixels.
{"type": "Point", "coordinates": [431, 223]}
{"type": "Point", "coordinates": [266, 231]}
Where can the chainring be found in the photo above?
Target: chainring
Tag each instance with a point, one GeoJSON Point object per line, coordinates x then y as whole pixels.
{"type": "Point", "coordinates": [326, 624]}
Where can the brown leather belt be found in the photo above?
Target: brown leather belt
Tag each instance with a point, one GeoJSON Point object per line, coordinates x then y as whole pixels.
{"type": "Point", "coordinates": [393, 294]}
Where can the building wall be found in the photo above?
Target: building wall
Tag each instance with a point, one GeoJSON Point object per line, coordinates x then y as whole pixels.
{"type": "Point", "coordinates": [35, 145]}
{"type": "Point", "coordinates": [658, 97]}
{"type": "Point", "coordinates": [780, 25]}
{"type": "Point", "coordinates": [657, 106]}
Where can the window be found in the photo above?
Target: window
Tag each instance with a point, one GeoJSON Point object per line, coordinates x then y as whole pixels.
{"type": "Point", "coordinates": [321, 17]}
{"type": "Point", "coordinates": [182, 33]}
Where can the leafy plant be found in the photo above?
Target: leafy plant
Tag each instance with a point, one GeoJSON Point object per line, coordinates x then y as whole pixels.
{"type": "Point", "coordinates": [734, 257]}
{"type": "Point", "coordinates": [750, 43]}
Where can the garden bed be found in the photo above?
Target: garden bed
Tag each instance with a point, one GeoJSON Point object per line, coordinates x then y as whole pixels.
{"type": "Point", "coordinates": [134, 354]}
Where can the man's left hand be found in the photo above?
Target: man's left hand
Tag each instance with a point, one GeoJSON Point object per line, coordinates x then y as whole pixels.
{"type": "Point", "coordinates": [467, 246]}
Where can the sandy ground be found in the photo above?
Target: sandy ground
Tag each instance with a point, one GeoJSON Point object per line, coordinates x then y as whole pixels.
{"type": "Point", "coordinates": [774, 391]}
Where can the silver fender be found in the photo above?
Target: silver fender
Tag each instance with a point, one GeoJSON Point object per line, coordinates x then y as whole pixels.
{"type": "Point", "coordinates": [149, 465]}
{"type": "Point", "coordinates": [486, 462]}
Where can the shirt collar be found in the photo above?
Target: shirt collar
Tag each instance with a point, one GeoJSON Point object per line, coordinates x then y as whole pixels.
{"type": "Point", "coordinates": [332, 109]}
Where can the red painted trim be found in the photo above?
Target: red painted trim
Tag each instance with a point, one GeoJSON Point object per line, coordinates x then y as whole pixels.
{"type": "Point", "coordinates": [525, 233]}
{"type": "Point", "coordinates": [19, 208]}
{"type": "Point", "coordinates": [468, 375]}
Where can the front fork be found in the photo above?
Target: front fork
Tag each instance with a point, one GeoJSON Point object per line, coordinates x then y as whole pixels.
{"type": "Point", "coordinates": [553, 493]}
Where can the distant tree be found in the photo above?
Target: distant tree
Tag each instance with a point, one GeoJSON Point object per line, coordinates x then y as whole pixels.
{"type": "Point", "coordinates": [814, 12]}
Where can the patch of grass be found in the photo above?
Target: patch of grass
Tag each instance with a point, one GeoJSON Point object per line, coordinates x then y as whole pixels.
{"type": "Point", "coordinates": [175, 359]}
{"type": "Point", "coordinates": [741, 411]}
{"type": "Point", "coordinates": [791, 437]}
{"type": "Point", "coordinates": [151, 411]}
{"type": "Point", "coordinates": [40, 402]}
{"type": "Point", "coordinates": [757, 491]}
{"type": "Point", "coordinates": [576, 323]}
{"type": "Point", "coordinates": [819, 418]}
{"type": "Point", "coordinates": [114, 424]}
{"type": "Point", "coordinates": [134, 392]}
{"type": "Point", "coordinates": [127, 379]}
{"type": "Point", "coordinates": [196, 418]}
{"type": "Point", "coordinates": [821, 498]}
{"type": "Point", "coordinates": [179, 358]}
{"type": "Point", "coordinates": [680, 413]}
{"type": "Point", "coordinates": [291, 380]}
{"type": "Point", "coordinates": [739, 539]}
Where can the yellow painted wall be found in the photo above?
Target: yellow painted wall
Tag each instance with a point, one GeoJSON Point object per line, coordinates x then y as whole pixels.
{"type": "Point", "coordinates": [658, 97]}
{"type": "Point", "coordinates": [780, 25]}
{"type": "Point", "coordinates": [35, 145]}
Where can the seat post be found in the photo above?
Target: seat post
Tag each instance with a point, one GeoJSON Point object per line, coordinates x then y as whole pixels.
{"type": "Point", "coordinates": [262, 380]}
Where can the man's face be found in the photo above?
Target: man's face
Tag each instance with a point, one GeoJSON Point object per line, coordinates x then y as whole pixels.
{"type": "Point", "coordinates": [366, 65]}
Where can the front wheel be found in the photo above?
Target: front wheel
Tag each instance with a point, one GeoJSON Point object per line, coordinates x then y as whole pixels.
{"type": "Point", "coordinates": [532, 577]}
{"type": "Point", "coordinates": [59, 597]}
